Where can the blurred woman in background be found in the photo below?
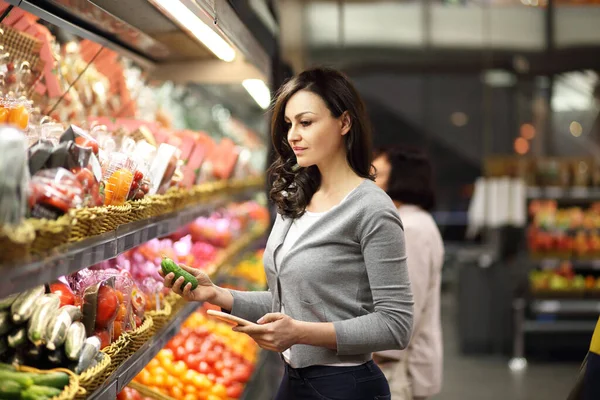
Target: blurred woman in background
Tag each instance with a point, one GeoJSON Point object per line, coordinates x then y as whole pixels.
{"type": "Point", "coordinates": [406, 175]}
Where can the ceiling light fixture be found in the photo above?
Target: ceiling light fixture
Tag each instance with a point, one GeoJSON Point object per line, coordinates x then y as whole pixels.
{"type": "Point", "coordinates": [189, 21]}
{"type": "Point", "coordinates": [259, 92]}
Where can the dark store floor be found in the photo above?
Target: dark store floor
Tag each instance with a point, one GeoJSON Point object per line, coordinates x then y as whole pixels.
{"type": "Point", "coordinates": [489, 378]}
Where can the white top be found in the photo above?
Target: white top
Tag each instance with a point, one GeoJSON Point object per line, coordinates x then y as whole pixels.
{"type": "Point", "coordinates": [298, 227]}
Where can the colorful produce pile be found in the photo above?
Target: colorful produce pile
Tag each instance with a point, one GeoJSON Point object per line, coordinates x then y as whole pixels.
{"type": "Point", "coordinates": [16, 384]}
{"type": "Point", "coordinates": [565, 281]}
{"type": "Point", "coordinates": [564, 232]}
{"type": "Point", "coordinates": [205, 360]}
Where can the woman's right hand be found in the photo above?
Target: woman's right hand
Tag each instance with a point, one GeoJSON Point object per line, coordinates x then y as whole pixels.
{"type": "Point", "coordinates": [206, 290]}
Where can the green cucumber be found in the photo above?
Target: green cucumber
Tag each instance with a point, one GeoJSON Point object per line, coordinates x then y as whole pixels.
{"type": "Point", "coordinates": [24, 380]}
{"type": "Point", "coordinates": [7, 367]}
{"type": "Point", "coordinates": [39, 392]}
{"type": "Point", "coordinates": [10, 390]}
{"type": "Point", "coordinates": [57, 380]}
{"type": "Point", "coordinates": [167, 265]}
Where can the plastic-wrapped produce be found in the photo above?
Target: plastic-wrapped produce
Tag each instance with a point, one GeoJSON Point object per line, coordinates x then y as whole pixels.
{"type": "Point", "coordinates": [14, 176]}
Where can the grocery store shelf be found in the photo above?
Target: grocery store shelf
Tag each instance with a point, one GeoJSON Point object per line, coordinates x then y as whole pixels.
{"type": "Point", "coordinates": [564, 194]}
{"type": "Point", "coordinates": [134, 364]}
{"type": "Point", "coordinates": [559, 326]}
{"type": "Point", "coordinates": [571, 307]}
{"type": "Point", "coordinates": [582, 264]}
{"type": "Point", "coordinates": [91, 251]}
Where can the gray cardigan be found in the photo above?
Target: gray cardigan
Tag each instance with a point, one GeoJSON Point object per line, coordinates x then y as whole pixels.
{"type": "Point", "coordinates": [349, 269]}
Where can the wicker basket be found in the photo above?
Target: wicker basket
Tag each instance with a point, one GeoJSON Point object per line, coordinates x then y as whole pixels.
{"type": "Point", "coordinates": [92, 378]}
{"type": "Point", "coordinates": [87, 222]}
{"type": "Point", "coordinates": [141, 335]}
{"type": "Point", "coordinates": [148, 392]}
{"type": "Point", "coordinates": [15, 242]}
{"type": "Point", "coordinates": [118, 351]}
{"type": "Point", "coordinates": [140, 209]}
{"type": "Point", "coordinates": [158, 205]}
{"type": "Point", "coordinates": [70, 391]}
{"type": "Point", "coordinates": [160, 318]}
{"type": "Point", "coordinates": [50, 234]}
{"type": "Point", "coordinates": [116, 216]}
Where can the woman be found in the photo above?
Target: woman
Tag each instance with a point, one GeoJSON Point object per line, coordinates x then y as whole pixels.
{"type": "Point", "coordinates": [416, 373]}
{"type": "Point", "coordinates": [335, 261]}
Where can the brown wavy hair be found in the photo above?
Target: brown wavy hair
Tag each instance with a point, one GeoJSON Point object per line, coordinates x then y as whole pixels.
{"type": "Point", "coordinates": [292, 186]}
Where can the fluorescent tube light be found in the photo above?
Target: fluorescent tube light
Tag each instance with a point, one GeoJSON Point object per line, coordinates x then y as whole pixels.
{"type": "Point", "coordinates": [259, 92]}
{"type": "Point", "coordinates": [179, 13]}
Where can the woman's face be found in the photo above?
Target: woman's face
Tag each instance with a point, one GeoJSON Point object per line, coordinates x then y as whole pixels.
{"type": "Point", "coordinates": [384, 169]}
{"type": "Point", "coordinates": [314, 134]}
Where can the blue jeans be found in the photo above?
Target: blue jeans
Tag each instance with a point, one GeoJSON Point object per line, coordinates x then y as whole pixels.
{"type": "Point", "coordinates": [362, 382]}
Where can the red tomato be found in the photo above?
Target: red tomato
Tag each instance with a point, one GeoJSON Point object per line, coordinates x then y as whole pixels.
{"type": "Point", "coordinates": [108, 304]}
{"type": "Point", "coordinates": [87, 142]}
{"type": "Point", "coordinates": [241, 373]}
{"type": "Point", "coordinates": [212, 357]}
{"type": "Point", "coordinates": [204, 368]}
{"type": "Point", "coordinates": [104, 338]}
{"type": "Point", "coordinates": [180, 353]}
{"type": "Point", "coordinates": [64, 293]}
{"type": "Point", "coordinates": [235, 390]}
{"type": "Point", "coordinates": [191, 345]}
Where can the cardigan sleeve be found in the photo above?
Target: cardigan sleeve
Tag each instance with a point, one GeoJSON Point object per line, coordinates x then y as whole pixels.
{"type": "Point", "coordinates": [251, 306]}
{"type": "Point", "coordinates": [389, 326]}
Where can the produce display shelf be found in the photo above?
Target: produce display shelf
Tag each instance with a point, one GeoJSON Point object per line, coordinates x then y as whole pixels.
{"type": "Point", "coordinates": [563, 306]}
{"type": "Point", "coordinates": [564, 194]}
{"type": "Point", "coordinates": [134, 364]}
{"type": "Point", "coordinates": [560, 326]}
{"type": "Point", "coordinates": [20, 277]}
{"type": "Point", "coordinates": [582, 264]}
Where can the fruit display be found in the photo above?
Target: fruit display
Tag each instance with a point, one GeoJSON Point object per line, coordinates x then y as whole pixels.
{"type": "Point", "coordinates": [205, 360]}
{"type": "Point", "coordinates": [563, 281]}
{"type": "Point", "coordinates": [564, 232]}
{"type": "Point", "coordinates": [252, 270]}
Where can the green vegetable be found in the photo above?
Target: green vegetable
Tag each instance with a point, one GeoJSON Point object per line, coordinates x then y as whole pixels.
{"type": "Point", "coordinates": [39, 392]}
{"type": "Point", "coordinates": [17, 338]}
{"type": "Point", "coordinates": [74, 342]}
{"type": "Point", "coordinates": [40, 319]}
{"type": "Point", "coordinates": [167, 265]}
{"type": "Point", "coordinates": [7, 367]}
{"type": "Point", "coordinates": [24, 380]}
{"type": "Point", "coordinates": [10, 390]}
{"type": "Point", "coordinates": [22, 308]}
{"type": "Point", "coordinates": [5, 322]}
{"type": "Point", "coordinates": [57, 380]}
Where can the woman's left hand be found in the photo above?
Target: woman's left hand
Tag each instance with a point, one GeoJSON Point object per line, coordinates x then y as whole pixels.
{"type": "Point", "coordinates": [275, 331]}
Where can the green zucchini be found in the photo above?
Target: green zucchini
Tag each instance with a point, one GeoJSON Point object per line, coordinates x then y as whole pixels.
{"type": "Point", "coordinates": [56, 332]}
{"type": "Point", "coordinates": [22, 308]}
{"type": "Point", "coordinates": [73, 311]}
{"type": "Point", "coordinates": [5, 322]}
{"type": "Point", "coordinates": [167, 265]}
{"type": "Point", "coordinates": [91, 347]}
{"type": "Point", "coordinates": [6, 302]}
{"type": "Point", "coordinates": [18, 338]}
{"type": "Point", "coordinates": [40, 319]}
{"type": "Point", "coordinates": [74, 342]}
{"type": "Point", "coordinates": [10, 390]}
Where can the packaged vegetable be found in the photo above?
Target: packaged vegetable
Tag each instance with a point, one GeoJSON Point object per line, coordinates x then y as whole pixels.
{"type": "Point", "coordinates": [118, 177]}
{"type": "Point", "coordinates": [53, 192]}
{"type": "Point", "coordinates": [14, 176]}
